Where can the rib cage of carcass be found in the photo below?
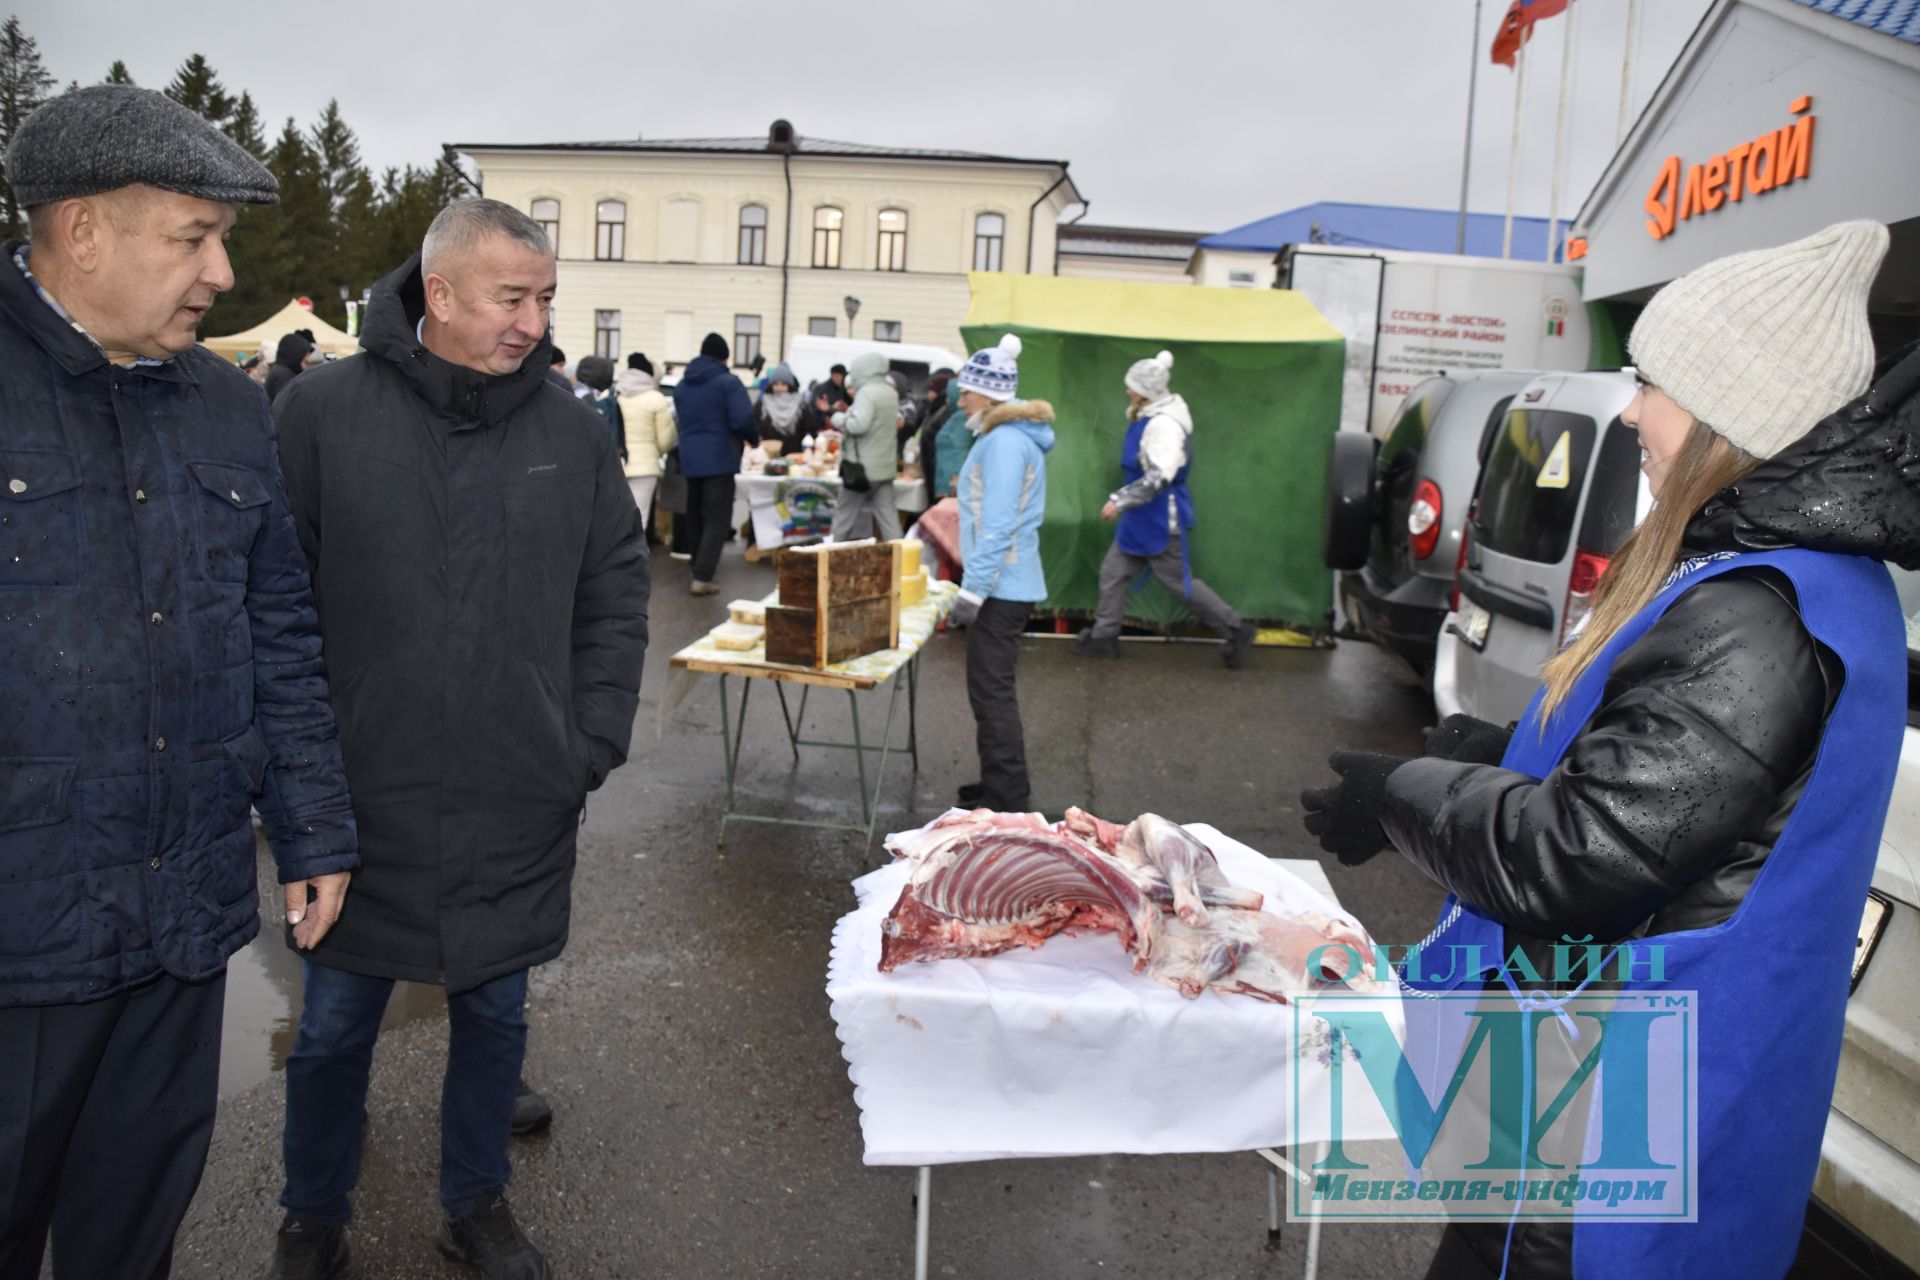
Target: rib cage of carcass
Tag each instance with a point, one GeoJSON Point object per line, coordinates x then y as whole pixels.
{"type": "Point", "coordinates": [986, 882]}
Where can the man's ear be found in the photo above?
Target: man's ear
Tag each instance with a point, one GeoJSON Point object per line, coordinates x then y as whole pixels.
{"type": "Point", "coordinates": [439, 298]}
{"type": "Point", "coordinates": [78, 230]}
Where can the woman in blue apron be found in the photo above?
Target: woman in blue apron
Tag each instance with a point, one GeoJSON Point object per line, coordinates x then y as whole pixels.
{"type": "Point", "coordinates": [1707, 764]}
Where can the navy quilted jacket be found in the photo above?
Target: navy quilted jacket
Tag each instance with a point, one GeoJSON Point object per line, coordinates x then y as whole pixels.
{"type": "Point", "coordinates": [160, 666]}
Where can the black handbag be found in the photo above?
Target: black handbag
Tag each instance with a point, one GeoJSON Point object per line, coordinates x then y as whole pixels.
{"type": "Point", "coordinates": [853, 476]}
{"type": "Point", "coordinates": [672, 493]}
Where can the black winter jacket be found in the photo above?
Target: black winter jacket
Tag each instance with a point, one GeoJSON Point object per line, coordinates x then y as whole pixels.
{"type": "Point", "coordinates": [481, 576]}
{"type": "Point", "coordinates": [1667, 804]}
{"type": "Point", "coordinates": [161, 666]}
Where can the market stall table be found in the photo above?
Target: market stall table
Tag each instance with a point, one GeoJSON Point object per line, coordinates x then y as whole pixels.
{"type": "Point", "coordinates": [786, 510]}
{"type": "Point", "coordinates": [705, 656]}
{"type": "Point", "coordinates": [1015, 1055]}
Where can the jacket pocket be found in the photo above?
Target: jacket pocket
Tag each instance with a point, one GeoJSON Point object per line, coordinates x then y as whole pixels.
{"type": "Point", "coordinates": [33, 792]}
{"type": "Point", "coordinates": [41, 909]}
{"type": "Point", "coordinates": [40, 542]}
{"type": "Point", "coordinates": [229, 505]}
{"type": "Point", "coordinates": [248, 751]}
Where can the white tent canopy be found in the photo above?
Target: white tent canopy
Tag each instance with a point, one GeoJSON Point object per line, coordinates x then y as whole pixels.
{"type": "Point", "coordinates": [266, 335]}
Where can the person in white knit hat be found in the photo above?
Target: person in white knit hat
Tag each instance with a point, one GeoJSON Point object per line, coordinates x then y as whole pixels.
{"type": "Point", "coordinates": [1699, 787]}
{"type": "Point", "coordinates": [1002, 491]}
{"type": "Point", "coordinates": [1154, 512]}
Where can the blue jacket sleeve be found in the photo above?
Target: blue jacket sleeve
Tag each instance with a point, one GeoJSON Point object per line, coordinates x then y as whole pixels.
{"type": "Point", "coordinates": [303, 801]}
{"type": "Point", "coordinates": [996, 513]}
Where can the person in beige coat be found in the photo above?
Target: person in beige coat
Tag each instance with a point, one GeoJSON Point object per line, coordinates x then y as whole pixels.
{"type": "Point", "coordinates": [649, 428]}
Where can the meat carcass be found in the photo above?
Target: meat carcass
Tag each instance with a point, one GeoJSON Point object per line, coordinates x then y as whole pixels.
{"type": "Point", "coordinates": [1260, 954]}
{"type": "Point", "coordinates": [982, 888]}
{"type": "Point", "coordinates": [986, 882]}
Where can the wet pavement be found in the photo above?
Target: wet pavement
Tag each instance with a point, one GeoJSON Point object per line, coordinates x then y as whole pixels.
{"type": "Point", "coordinates": [705, 1125]}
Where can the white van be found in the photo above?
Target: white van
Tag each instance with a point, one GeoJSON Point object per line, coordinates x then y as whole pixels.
{"type": "Point", "coordinates": [812, 358]}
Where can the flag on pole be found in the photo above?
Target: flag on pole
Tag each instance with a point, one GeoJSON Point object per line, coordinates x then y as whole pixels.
{"type": "Point", "coordinates": [1517, 27]}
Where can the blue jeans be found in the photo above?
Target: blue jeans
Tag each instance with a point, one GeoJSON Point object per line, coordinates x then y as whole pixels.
{"type": "Point", "coordinates": [327, 1090]}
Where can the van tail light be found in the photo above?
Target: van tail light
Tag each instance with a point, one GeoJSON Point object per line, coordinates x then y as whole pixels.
{"type": "Point", "coordinates": [1460, 565]}
{"type": "Point", "coordinates": [1588, 568]}
{"type": "Point", "coordinates": [1423, 520]}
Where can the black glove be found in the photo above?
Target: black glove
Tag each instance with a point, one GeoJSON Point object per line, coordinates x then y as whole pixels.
{"type": "Point", "coordinates": [1346, 816]}
{"type": "Point", "coordinates": [1466, 740]}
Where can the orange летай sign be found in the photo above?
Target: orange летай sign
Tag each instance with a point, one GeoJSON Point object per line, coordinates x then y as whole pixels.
{"type": "Point", "coordinates": [1769, 161]}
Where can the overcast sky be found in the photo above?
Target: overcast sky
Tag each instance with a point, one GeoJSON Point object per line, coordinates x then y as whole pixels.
{"type": "Point", "coordinates": [1199, 115]}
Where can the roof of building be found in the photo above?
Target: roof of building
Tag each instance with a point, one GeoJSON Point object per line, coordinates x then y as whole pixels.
{"type": "Point", "coordinates": [1380, 226]}
{"type": "Point", "coordinates": [1897, 18]}
{"type": "Point", "coordinates": [802, 145]}
{"type": "Point", "coordinates": [1086, 240]}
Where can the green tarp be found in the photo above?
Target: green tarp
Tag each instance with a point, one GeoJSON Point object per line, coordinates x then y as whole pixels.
{"type": "Point", "coordinates": [1261, 370]}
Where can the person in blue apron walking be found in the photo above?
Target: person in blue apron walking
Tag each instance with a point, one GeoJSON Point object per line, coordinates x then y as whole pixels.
{"type": "Point", "coordinates": [1154, 513]}
{"type": "Point", "coordinates": [1709, 761]}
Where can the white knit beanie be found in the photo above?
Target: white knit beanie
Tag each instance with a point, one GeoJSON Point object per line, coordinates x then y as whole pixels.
{"type": "Point", "coordinates": [1760, 346]}
{"type": "Point", "coordinates": [1148, 378]}
{"type": "Point", "coordinates": [994, 372]}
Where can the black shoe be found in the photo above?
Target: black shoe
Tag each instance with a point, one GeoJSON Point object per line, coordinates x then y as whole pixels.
{"type": "Point", "coordinates": [531, 1112]}
{"type": "Point", "coordinates": [492, 1243]}
{"type": "Point", "coordinates": [971, 794]}
{"type": "Point", "coordinates": [308, 1250]}
{"type": "Point", "coordinates": [1089, 647]}
{"type": "Point", "coordinates": [1235, 654]}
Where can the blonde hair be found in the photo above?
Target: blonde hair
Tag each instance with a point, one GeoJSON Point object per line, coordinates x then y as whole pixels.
{"type": "Point", "coordinates": [1707, 463]}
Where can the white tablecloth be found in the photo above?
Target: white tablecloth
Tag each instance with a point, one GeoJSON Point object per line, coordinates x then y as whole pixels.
{"type": "Point", "coordinates": [1064, 1050]}
{"type": "Point", "coordinates": [789, 509]}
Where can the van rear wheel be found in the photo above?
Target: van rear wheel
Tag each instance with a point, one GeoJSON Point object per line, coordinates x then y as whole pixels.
{"type": "Point", "coordinates": [1348, 533]}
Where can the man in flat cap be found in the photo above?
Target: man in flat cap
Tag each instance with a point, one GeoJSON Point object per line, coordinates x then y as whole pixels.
{"type": "Point", "coordinates": [160, 673]}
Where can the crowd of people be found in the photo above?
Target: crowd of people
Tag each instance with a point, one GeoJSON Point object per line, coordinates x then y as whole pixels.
{"type": "Point", "coordinates": [198, 542]}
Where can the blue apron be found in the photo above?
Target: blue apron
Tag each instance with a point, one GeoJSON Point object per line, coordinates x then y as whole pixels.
{"type": "Point", "coordinates": [1773, 980]}
{"type": "Point", "coordinates": [1145, 530]}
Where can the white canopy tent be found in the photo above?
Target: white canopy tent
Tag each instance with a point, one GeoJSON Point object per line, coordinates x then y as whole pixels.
{"type": "Point", "coordinates": [266, 335]}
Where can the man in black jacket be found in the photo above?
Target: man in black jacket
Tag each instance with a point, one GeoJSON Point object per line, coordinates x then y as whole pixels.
{"type": "Point", "coordinates": [481, 576]}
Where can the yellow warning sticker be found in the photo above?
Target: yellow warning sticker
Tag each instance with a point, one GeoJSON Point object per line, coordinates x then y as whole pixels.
{"type": "Point", "coordinates": [1559, 467]}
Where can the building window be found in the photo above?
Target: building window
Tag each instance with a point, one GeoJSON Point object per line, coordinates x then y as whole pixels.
{"type": "Point", "coordinates": [822, 326]}
{"type": "Point", "coordinates": [827, 222]}
{"type": "Point", "coordinates": [610, 242]}
{"type": "Point", "coordinates": [606, 334]}
{"type": "Point", "coordinates": [886, 331]}
{"type": "Point", "coordinates": [680, 231]}
{"type": "Point", "coordinates": [547, 214]}
{"type": "Point", "coordinates": [893, 241]}
{"type": "Point", "coordinates": [989, 240]}
{"type": "Point", "coordinates": [753, 235]}
{"type": "Point", "coordinates": [746, 340]}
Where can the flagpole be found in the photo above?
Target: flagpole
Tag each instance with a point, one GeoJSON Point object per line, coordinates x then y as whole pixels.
{"type": "Point", "coordinates": [1466, 155]}
{"type": "Point", "coordinates": [1560, 132]}
{"type": "Point", "coordinates": [1513, 152]}
{"type": "Point", "coordinates": [1626, 71]}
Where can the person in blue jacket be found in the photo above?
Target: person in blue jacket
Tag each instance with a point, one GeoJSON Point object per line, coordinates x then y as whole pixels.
{"type": "Point", "coordinates": [1700, 783]}
{"type": "Point", "coordinates": [716, 423]}
{"type": "Point", "coordinates": [1154, 514]}
{"type": "Point", "coordinates": [162, 673]}
{"type": "Point", "coordinates": [1002, 489]}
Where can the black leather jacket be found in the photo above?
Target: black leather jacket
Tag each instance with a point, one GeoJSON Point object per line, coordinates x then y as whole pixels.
{"type": "Point", "coordinates": [1666, 806]}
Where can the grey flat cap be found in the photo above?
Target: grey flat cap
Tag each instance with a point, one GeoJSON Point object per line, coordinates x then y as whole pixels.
{"type": "Point", "coordinates": [112, 135]}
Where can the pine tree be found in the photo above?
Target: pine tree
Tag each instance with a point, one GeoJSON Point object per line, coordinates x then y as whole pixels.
{"type": "Point", "coordinates": [244, 127]}
{"type": "Point", "coordinates": [24, 85]}
{"type": "Point", "coordinates": [118, 74]}
{"type": "Point", "coordinates": [196, 87]}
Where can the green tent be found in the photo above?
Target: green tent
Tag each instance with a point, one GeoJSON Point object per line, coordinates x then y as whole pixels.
{"type": "Point", "coordinates": [1261, 370]}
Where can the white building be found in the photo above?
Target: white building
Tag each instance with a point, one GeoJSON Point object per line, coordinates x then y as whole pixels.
{"type": "Point", "coordinates": [663, 241]}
